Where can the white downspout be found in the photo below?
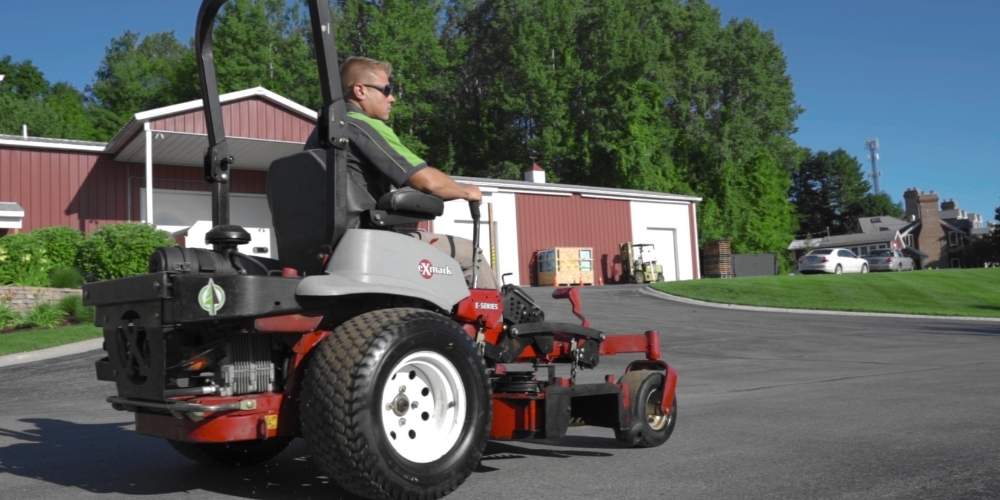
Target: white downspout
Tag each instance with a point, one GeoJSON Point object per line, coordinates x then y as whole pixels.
{"type": "Point", "coordinates": [149, 173]}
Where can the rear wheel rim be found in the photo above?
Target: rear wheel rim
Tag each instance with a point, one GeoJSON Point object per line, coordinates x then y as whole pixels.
{"type": "Point", "coordinates": [423, 406]}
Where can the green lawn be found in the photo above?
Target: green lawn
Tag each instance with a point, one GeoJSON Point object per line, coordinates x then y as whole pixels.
{"type": "Point", "coordinates": [955, 292]}
{"type": "Point", "coordinates": [40, 338]}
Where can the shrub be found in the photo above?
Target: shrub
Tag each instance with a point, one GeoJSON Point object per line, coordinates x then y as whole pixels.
{"type": "Point", "coordinates": [65, 277]}
{"type": "Point", "coordinates": [75, 310]}
{"type": "Point", "coordinates": [9, 318]}
{"type": "Point", "coordinates": [61, 244]}
{"type": "Point", "coordinates": [23, 261]}
{"type": "Point", "coordinates": [44, 316]}
{"type": "Point", "coordinates": [119, 250]}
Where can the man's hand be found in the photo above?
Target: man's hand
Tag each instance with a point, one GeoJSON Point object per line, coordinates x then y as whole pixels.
{"type": "Point", "coordinates": [433, 181]}
{"type": "Point", "coordinates": [472, 193]}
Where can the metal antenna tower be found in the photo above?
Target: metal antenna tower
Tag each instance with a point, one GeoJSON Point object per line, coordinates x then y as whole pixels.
{"type": "Point", "coordinates": [872, 145]}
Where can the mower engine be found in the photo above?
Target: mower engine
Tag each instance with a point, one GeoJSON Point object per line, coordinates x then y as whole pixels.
{"type": "Point", "coordinates": [234, 365]}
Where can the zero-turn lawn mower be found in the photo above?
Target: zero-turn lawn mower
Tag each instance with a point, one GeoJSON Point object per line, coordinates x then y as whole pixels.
{"type": "Point", "coordinates": [365, 342]}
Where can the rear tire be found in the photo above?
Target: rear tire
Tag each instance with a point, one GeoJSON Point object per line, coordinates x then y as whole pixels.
{"type": "Point", "coordinates": [650, 427]}
{"type": "Point", "coordinates": [838, 270]}
{"type": "Point", "coordinates": [396, 404]}
{"type": "Point", "coordinates": [864, 268]}
{"type": "Point", "coordinates": [234, 454]}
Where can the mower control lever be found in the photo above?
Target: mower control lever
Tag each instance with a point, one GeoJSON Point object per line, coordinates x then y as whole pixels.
{"type": "Point", "coordinates": [474, 211]}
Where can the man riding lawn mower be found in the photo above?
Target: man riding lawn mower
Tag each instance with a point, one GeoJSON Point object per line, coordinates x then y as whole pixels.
{"type": "Point", "coordinates": [366, 342]}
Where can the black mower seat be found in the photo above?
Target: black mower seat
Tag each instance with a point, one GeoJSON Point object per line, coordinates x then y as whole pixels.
{"type": "Point", "coordinates": [405, 206]}
{"type": "Point", "coordinates": [411, 201]}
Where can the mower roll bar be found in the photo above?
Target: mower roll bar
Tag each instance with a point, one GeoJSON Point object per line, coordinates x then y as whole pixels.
{"type": "Point", "coordinates": [332, 136]}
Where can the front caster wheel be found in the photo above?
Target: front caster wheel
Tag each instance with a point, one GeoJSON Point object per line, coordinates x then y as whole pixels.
{"type": "Point", "coordinates": [396, 404]}
{"type": "Point", "coordinates": [650, 425]}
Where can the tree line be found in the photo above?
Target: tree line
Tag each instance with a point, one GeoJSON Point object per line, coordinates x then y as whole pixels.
{"type": "Point", "coordinates": [658, 95]}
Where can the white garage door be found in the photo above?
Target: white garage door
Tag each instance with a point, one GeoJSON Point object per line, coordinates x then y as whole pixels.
{"type": "Point", "coordinates": [172, 207]}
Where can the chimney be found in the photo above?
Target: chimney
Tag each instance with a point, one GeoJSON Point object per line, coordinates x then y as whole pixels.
{"type": "Point", "coordinates": [24, 130]}
{"type": "Point", "coordinates": [535, 174]}
{"type": "Point", "coordinates": [931, 239]}
{"type": "Point", "coordinates": [911, 203]}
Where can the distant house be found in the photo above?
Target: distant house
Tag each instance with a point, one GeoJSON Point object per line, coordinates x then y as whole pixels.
{"type": "Point", "coordinates": [933, 236]}
{"type": "Point", "coordinates": [876, 233]}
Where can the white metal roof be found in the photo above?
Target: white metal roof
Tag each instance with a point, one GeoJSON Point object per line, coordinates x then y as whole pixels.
{"type": "Point", "coordinates": [124, 136]}
{"type": "Point", "coordinates": [584, 191]}
{"type": "Point", "coordinates": [139, 119]}
{"type": "Point", "coordinates": [49, 143]}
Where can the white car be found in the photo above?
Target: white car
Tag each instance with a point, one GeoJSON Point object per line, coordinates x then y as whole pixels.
{"type": "Point", "coordinates": [832, 260]}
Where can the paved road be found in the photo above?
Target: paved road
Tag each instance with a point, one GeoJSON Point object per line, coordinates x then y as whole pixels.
{"type": "Point", "coordinates": [771, 406]}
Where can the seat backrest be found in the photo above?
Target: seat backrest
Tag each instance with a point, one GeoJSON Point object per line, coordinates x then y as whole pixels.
{"type": "Point", "coordinates": [297, 196]}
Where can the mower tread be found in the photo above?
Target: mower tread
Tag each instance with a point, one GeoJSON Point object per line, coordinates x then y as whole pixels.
{"type": "Point", "coordinates": [334, 410]}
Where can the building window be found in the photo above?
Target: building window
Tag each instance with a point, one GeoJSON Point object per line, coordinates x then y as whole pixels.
{"type": "Point", "coordinates": [883, 245]}
{"type": "Point", "coordinates": [956, 262]}
{"type": "Point", "coordinates": [908, 240]}
{"type": "Point", "coordinates": [953, 239]}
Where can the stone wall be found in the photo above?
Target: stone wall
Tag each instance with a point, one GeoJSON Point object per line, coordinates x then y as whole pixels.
{"type": "Point", "coordinates": [24, 298]}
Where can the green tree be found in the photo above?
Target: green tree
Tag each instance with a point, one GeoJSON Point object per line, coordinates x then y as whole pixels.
{"type": "Point", "coordinates": [139, 73]}
{"type": "Point", "coordinates": [22, 79]}
{"type": "Point", "coordinates": [27, 98]}
{"type": "Point", "coordinates": [755, 118]}
{"type": "Point", "coordinates": [406, 33]}
{"type": "Point", "coordinates": [264, 43]}
{"type": "Point", "coordinates": [829, 192]}
{"type": "Point", "coordinates": [519, 67]}
{"type": "Point", "coordinates": [642, 94]}
{"type": "Point", "coordinates": [995, 235]}
{"type": "Point", "coordinates": [872, 205]}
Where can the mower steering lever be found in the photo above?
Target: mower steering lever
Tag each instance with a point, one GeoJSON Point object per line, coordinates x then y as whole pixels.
{"type": "Point", "coordinates": [474, 211]}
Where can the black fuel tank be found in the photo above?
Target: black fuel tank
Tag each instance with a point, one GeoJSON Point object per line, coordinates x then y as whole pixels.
{"type": "Point", "coordinates": [189, 260]}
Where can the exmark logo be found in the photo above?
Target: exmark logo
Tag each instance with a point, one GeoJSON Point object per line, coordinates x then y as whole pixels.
{"type": "Point", "coordinates": [428, 270]}
{"type": "Point", "coordinates": [211, 297]}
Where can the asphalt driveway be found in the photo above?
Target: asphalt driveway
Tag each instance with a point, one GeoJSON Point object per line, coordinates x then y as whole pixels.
{"type": "Point", "coordinates": [772, 405]}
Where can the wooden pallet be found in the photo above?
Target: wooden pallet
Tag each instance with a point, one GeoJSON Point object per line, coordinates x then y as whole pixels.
{"type": "Point", "coordinates": [564, 266]}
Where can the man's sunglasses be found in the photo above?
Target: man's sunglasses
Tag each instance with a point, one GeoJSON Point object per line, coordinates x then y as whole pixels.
{"type": "Point", "coordinates": [386, 91]}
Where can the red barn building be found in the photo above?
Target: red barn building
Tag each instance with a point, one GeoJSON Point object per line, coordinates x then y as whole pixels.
{"type": "Point", "coordinates": [151, 172]}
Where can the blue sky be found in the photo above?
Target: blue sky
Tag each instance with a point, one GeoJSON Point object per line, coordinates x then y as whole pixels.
{"type": "Point", "coordinates": [923, 76]}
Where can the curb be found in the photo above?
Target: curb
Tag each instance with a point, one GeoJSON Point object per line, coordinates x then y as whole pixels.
{"type": "Point", "coordinates": [51, 352]}
{"type": "Point", "coordinates": [684, 300]}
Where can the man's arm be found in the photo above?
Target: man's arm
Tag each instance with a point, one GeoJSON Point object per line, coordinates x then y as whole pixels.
{"type": "Point", "coordinates": [433, 181]}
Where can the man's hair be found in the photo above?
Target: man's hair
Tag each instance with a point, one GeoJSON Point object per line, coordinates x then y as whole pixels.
{"type": "Point", "coordinates": [357, 70]}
